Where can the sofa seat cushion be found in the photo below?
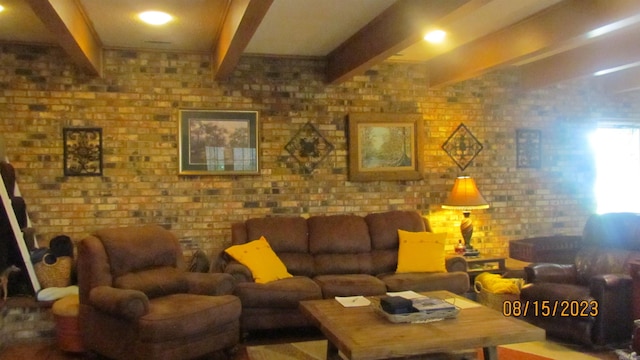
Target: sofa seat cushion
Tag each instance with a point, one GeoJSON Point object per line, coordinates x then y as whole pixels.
{"type": "Point", "coordinates": [283, 293]}
{"type": "Point", "coordinates": [350, 285]}
{"type": "Point", "coordinates": [456, 282]}
{"type": "Point", "coordinates": [187, 315]}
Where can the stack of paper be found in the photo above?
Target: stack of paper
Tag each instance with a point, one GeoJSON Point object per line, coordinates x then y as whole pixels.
{"type": "Point", "coordinates": [353, 301]}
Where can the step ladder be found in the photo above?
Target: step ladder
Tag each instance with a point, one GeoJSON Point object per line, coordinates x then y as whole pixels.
{"type": "Point", "coordinates": [17, 232]}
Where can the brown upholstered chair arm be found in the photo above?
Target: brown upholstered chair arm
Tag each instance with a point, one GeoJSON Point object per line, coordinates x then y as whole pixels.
{"type": "Point", "coordinates": [128, 304]}
{"type": "Point", "coordinates": [613, 298]}
{"type": "Point", "coordinates": [456, 263]}
{"type": "Point", "coordinates": [210, 283]}
{"type": "Point", "coordinates": [546, 272]}
{"type": "Point", "coordinates": [609, 282]}
{"type": "Point", "coordinates": [239, 272]}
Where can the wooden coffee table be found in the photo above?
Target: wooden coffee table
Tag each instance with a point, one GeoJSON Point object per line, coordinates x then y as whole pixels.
{"type": "Point", "coordinates": [360, 333]}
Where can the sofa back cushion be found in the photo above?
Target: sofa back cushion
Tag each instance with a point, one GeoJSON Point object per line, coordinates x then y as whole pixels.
{"type": "Point", "coordinates": [161, 281]}
{"type": "Point", "coordinates": [340, 244]}
{"type": "Point", "coordinates": [612, 231]}
{"type": "Point", "coordinates": [136, 248]}
{"type": "Point", "coordinates": [288, 236]}
{"type": "Point", "coordinates": [383, 230]}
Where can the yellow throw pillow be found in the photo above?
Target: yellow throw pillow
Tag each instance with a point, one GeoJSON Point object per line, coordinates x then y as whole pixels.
{"type": "Point", "coordinates": [421, 252]}
{"type": "Point", "coordinates": [263, 262]}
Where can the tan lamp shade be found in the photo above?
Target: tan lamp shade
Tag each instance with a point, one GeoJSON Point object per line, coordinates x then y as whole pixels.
{"type": "Point", "coordinates": [465, 196]}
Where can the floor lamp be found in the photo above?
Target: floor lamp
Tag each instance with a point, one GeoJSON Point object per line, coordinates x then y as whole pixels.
{"type": "Point", "coordinates": [465, 196]}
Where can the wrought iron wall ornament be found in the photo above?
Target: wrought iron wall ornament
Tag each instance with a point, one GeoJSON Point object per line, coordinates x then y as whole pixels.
{"type": "Point", "coordinates": [309, 147]}
{"type": "Point", "coordinates": [462, 146]}
{"type": "Point", "coordinates": [82, 151]}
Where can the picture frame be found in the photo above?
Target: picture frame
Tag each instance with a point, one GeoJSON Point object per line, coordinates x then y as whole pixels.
{"type": "Point", "coordinates": [528, 148]}
{"type": "Point", "coordinates": [218, 142]}
{"type": "Point", "coordinates": [385, 147]}
{"type": "Point", "coordinates": [82, 151]}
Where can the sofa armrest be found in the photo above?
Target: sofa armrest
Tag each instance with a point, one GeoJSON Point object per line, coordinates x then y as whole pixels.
{"type": "Point", "coordinates": [125, 303]}
{"type": "Point", "coordinates": [600, 283]}
{"type": "Point", "coordinates": [455, 263]}
{"type": "Point", "coordinates": [613, 304]}
{"type": "Point", "coordinates": [546, 272]}
{"type": "Point", "coordinates": [210, 283]}
{"type": "Point", "coordinates": [239, 272]}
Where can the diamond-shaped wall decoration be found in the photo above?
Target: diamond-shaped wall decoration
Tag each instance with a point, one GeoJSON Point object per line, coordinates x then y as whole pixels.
{"type": "Point", "coordinates": [309, 147]}
{"type": "Point", "coordinates": [462, 146]}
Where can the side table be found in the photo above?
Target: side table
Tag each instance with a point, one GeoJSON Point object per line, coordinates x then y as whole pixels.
{"type": "Point", "coordinates": [479, 264]}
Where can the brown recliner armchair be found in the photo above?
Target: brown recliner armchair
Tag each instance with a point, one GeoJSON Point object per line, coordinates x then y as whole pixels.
{"type": "Point", "coordinates": [593, 296]}
{"type": "Point", "coordinates": [138, 302]}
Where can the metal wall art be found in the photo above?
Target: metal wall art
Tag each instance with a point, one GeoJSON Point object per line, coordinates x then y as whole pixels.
{"type": "Point", "coordinates": [82, 151]}
{"type": "Point", "coordinates": [528, 145]}
{"type": "Point", "coordinates": [309, 147]}
{"type": "Point", "coordinates": [216, 142]}
{"type": "Point", "coordinates": [462, 146]}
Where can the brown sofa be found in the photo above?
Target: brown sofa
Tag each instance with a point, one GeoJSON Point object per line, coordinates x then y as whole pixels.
{"type": "Point", "coordinates": [337, 255]}
{"type": "Point", "coordinates": [599, 276]}
{"type": "Point", "coordinates": [138, 302]}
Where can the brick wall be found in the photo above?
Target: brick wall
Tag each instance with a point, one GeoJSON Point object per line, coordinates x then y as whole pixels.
{"type": "Point", "coordinates": [136, 104]}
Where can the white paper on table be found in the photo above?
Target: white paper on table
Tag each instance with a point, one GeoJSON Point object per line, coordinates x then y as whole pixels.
{"type": "Point", "coordinates": [409, 294]}
{"type": "Point", "coordinates": [462, 303]}
{"type": "Point", "coordinates": [353, 301]}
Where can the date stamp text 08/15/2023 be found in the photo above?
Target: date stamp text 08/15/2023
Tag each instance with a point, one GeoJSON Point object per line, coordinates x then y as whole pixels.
{"type": "Point", "coordinates": [549, 308]}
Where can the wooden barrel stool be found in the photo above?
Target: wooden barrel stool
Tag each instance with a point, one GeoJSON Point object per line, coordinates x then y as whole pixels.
{"type": "Point", "coordinates": [65, 314]}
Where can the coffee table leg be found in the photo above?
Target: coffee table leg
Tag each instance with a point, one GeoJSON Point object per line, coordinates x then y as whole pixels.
{"type": "Point", "coordinates": [332, 352]}
{"type": "Point", "coordinates": [490, 353]}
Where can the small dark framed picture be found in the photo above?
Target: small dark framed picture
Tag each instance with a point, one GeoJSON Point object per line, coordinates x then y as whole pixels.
{"type": "Point", "coordinates": [528, 148]}
{"type": "Point", "coordinates": [218, 142]}
{"type": "Point", "coordinates": [82, 151]}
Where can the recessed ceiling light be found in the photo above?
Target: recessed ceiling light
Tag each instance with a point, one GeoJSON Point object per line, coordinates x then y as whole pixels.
{"type": "Point", "coordinates": [155, 17]}
{"type": "Point", "coordinates": [435, 36]}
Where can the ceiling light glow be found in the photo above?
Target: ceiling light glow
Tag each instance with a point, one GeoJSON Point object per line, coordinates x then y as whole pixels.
{"type": "Point", "coordinates": [1, 8]}
{"type": "Point", "coordinates": [435, 36]}
{"type": "Point", "coordinates": [155, 17]}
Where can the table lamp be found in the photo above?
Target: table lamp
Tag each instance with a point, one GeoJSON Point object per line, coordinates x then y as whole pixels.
{"type": "Point", "coordinates": [465, 196]}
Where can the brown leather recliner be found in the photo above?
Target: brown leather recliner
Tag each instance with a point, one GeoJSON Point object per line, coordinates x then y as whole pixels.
{"type": "Point", "coordinates": [138, 302]}
{"type": "Point", "coordinates": [592, 297]}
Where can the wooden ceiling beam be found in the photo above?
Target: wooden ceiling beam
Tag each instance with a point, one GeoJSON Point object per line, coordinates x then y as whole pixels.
{"type": "Point", "coordinates": [620, 81]}
{"type": "Point", "coordinates": [558, 28]}
{"type": "Point", "coordinates": [67, 21]}
{"type": "Point", "coordinates": [401, 25]}
{"type": "Point", "coordinates": [241, 22]}
{"type": "Point", "coordinates": [607, 53]}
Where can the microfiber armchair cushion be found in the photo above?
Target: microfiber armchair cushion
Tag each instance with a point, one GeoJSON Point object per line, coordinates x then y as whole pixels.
{"type": "Point", "coordinates": [328, 256]}
{"type": "Point", "coordinates": [599, 275]}
{"type": "Point", "coordinates": [138, 302]}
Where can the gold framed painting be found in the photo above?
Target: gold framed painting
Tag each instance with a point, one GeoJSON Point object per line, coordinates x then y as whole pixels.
{"type": "Point", "coordinates": [218, 142]}
{"type": "Point", "coordinates": [385, 147]}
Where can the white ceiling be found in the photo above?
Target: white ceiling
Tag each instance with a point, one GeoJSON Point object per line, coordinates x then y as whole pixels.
{"type": "Point", "coordinates": [538, 35]}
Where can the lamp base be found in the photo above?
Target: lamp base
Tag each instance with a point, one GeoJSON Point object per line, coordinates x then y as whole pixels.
{"type": "Point", "coordinates": [471, 252]}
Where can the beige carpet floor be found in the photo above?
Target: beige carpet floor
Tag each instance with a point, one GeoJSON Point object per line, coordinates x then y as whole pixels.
{"type": "Point", "coordinates": [538, 350]}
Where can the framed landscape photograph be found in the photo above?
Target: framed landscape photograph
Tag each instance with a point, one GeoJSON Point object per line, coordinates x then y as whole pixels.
{"type": "Point", "coordinates": [82, 151]}
{"type": "Point", "coordinates": [385, 147]}
{"type": "Point", "coordinates": [218, 142]}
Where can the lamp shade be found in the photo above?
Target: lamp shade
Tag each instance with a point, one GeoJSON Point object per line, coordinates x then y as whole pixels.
{"type": "Point", "coordinates": [465, 196]}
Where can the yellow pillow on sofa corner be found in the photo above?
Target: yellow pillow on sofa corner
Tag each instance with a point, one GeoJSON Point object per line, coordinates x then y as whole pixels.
{"type": "Point", "coordinates": [421, 252]}
{"type": "Point", "coordinates": [263, 262]}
